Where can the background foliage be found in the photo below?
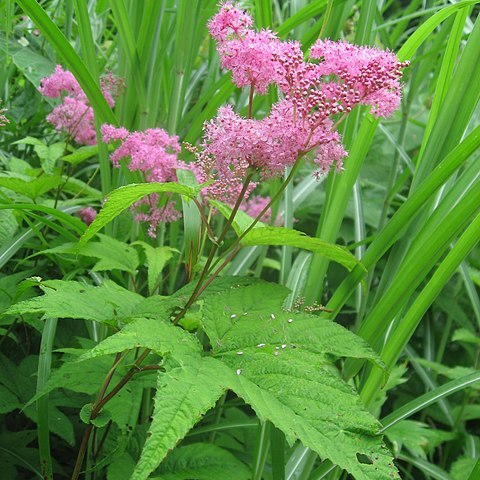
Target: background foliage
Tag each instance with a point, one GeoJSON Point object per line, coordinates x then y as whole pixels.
{"type": "Point", "coordinates": [406, 207]}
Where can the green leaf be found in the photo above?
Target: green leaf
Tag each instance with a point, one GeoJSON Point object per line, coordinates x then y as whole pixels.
{"type": "Point", "coordinates": [8, 226]}
{"type": "Point", "coordinates": [281, 361]}
{"type": "Point", "coordinates": [32, 65]}
{"type": "Point", "coordinates": [86, 377]}
{"type": "Point", "coordinates": [158, 335]}
{"type": "Point", "coordinates": [464, 335]}
{"type": "Point", "coordinates": [48, 154]}
{"type": "Point", "coordinates": [106, 303]}
{"type": "Point", "coordinates": [123, 197]}
{"type": "Point", "coordinates": [202, 461]}
{"type": "Point", "coordinates": [293, 238]}
{"type": "Point", "coordinates": [417, 437]}
{"type": "Point", "coordinates": [243, 318]}
{"type": "Point", "coordinates": [101, 420]}
{"type": "Point", "coordinates": [81, 154]}
{"type": "Point", "coordinates": [157, 258]}
{"type": "Point", "coordinates": [311, 403]}
{"type": "Point", "coordinates": [112, 254]}
{"type": "Point", "coordinates": [184, 394]}
{"type": "Point", "coordinates": [8, 401]}
{"type": "Point", "coordinates": [32, 187]}
{"type": "Point", "coordinates": [241, 220]}
{"type": "Point", "coordinates": [462, 468]}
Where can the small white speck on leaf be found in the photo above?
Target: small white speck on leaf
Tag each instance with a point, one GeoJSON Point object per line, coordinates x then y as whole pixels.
{"type": "Point", "coordinates": [260, 345]}
{"type": "Point", "coordinates": [272, 316]}
{"type": "Point", "coordinates": [275, 353]}
{"type": "Point", "coordinates": [284, 346]}
{"type": "Point", "coordinates": [239, 371]}
{"type": "Point", "coordinates": [233, 316]}
{"type": "Point", "coordinates": [290, 320]}
{"type": "Point", "coordinates": [239, 353]}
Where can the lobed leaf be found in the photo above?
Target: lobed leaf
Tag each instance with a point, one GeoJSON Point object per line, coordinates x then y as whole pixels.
{"type": "Point", "coordinates": [106, 303]}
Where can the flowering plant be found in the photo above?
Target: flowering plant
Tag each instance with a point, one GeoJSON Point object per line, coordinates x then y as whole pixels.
{"type": "Point", "coordinates": [180, 325]}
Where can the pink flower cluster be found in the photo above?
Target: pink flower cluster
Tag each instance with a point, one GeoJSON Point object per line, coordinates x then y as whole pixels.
{"type": "Point", "coordinates": [255, 205]}
{"type": "Point", "coordinates": [3, 118]}
{"type": "Point", "coordinates": [317, 94]}
{"type": "Point", "coordinates": [155, 154]}
{"type": "Point", "coordinates": [74, 115]}
{"type": "Point", "coordinates": [87, 215]}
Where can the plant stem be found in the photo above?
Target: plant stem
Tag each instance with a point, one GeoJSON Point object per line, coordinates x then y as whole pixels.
{"type": "Point", "coordinates": [214, 249]}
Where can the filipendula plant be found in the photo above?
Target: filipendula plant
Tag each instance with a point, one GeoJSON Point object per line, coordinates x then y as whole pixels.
{"type": "Point", "coordinates": [219, 334]}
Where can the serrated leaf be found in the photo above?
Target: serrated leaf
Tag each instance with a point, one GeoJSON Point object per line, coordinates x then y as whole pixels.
{"type": "Point", "coordinates": [48, 154]}
{"type": "Point", "coordinates": [31, 187]}
{"type": "Point", "coordinates": [202, 461]}
{"type": "Point", "coordinates": [111, 254]}
{"type": "Point", "coordinates": [417, 437]}
{"type": "Point", "coordinates": [249, 316]}
{"type": "Point", "coordinates": [107, 303]}
{"type": "Point", "coordinates": [157, 258]}
{"type": "Point", "coordinates": [184, 394]}
{"type": "Point", "coordinates": [305, 399]}
{"type": "Point", "coordinates": [8, 226]}
{"type": "Point", "coordinates": [280, 236]}
{"type": "Point", "coordinates": [160, 336]}
{"type": "Point", "coordinates": [124, 197]}
{"type": "Point", "coordinates": [282, 370]}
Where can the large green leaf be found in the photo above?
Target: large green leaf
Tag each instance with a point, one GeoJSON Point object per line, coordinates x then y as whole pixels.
{"type": "Point", "coordinates": [282, 369]}
{"type": "Point", "coordinates": [124, 197]}
{"type": "Point", "coordinates": [202, 461]}
{"type": "Point", "coordinates": [106, 303]}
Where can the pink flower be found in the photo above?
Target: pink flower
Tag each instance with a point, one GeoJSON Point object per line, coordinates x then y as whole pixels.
{"type": "Point", "coordinates": [3, 118]}
{"type": "Point", "coordinates": [317, 96]}
{"type": "Point", "coordinates": [74, 115]}
{"type": "Point", "coordinates": [251, 59]}
{"type": "Point", "coordinates": [154, 153]}
{"type": "Point", "coordinates": [59, 83]}
{"type": "Point", "coordinates": [87, 214]}
{"type": "Point", "coordinates": [370, 76]}
{"type": "Point", "coordinates": [254, 205]}
{"type": "Point", "coordinates": [248, 54]}
{"type": "Point", "coordinates": [228, 21]}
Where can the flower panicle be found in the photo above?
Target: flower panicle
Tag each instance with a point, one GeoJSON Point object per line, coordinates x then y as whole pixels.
{"type": "Point", "coordinates": [74, 115]}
